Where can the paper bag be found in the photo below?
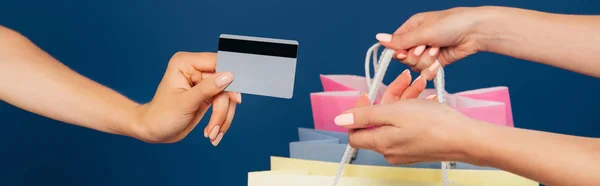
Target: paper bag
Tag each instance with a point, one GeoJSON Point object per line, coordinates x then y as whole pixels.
{"type": "Point", "coordinates": [329, 146]}
{"type": "Point", "coordinates": [458, 177]}
{"type": "Point", "coordinates": [304, 178]}
{"type": "Point", "coordinates": [342, 91]}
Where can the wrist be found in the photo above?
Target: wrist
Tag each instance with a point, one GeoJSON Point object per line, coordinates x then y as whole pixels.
{"type": "Point", "coordinates": [475, 149]}
{"type": "Point", "coordinates": [491, 27]}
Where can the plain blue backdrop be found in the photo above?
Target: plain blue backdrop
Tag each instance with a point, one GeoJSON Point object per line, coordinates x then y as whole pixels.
{"type": "Point", "coordinates": [126, 44]}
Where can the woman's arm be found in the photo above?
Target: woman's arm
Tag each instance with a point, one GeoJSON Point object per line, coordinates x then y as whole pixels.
{"type": "Point", "coordinates": [552, 159]}
{"type": "Point", "coordinates": [570, 42]}
{"type": "Point", "coordinates": [34, 81]}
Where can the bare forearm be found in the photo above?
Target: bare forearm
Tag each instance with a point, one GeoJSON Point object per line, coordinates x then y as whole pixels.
{"type": "Point", "coordinates": [551, 159]}
{"type": "Point", "coordinates": [565, 41]}
{"type": "Point", "coordinates": [34, 81]}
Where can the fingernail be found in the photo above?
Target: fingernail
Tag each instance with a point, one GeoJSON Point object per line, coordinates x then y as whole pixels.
{"type": "Point", "coordinates": [214, 132]}
{"type": "Point", "coordinates": [239, 97]}
{"type": "Point", "coordinates": [384, 37]}
{"type": "Point", "coordinates": [364, 95]}
{"type": "Point", "coordinates": [430, 96]}
{"type": "Point", "coordinates": [401, 56]}
{"type": "Point", "coordinates": [433, 66]}
{"type": "Point", "coordinates": [218, 139]}
{"type": "Point", "coordinates": [418, 78]}
{"type": "Point", "coordinates": [407, 71]}
{"type": "Point", "coordinates": [433, 51]}
{"type": "Point", "coordinates": [344, 119]}
{"type": "Point", "coordinates": [419, 50]}
{"type": "Point", "coordinates": [224, 79]}
{"type": "Point", "coordinates": [205, 135]}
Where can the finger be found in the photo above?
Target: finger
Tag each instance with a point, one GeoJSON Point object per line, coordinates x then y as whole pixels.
{"type": "Point", "coordinates": [396, 88]}
{"type": "Point", "coordinates": [362, 101]}
{"type": "Point", "coordinates": [225, 126]}
{"type": "Point", "coordinates": [207, 88]}
{"type": "Point", "coordinates": [415, 89]}
{"type": "Point", "coordinates": [367, 116]}
{"type": "Point", "coordinates": [427, 62]}
{"type": "Point", "coordinates": [367, 138]}
{"type": "Point", "coordinates": [432, 70]}
{"type": "Point", "coordinates": [410, 59]}
{"type": "Point", "coordinates": [431, 97]}
{"type": "Point", "coordinates": [201, 61]}
{"type": "Point", "coordinates": [218, 116]}
{"type": "Point", "coordinates": [413, 38]}
{"type": "Point", "coordinates": [361, 138]}
{"type": "Point", "coordinates": [235, 97]}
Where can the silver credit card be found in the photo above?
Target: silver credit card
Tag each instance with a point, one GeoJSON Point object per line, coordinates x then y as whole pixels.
{"type": "Point", "coordinates": [261, 66]}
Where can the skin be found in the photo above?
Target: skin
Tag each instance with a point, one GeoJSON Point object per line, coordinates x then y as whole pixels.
{"type": "Point", "coordinates": [33, 80]}
{"type": "Point", "coordinates": [405, 131]}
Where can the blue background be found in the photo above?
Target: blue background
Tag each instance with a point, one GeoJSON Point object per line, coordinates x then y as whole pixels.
{"type": "Point", "coordinates": [126, 44]}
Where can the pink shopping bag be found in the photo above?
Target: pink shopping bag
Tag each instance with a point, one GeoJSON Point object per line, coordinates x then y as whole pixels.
{"type": "Point", "coordinates": [342, 91]}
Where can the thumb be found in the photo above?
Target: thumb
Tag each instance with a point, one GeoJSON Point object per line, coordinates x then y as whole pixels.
{"type": "Point", "coordinates": [209, 87]}
{"type": "Point", "coordinates": [406, 40]}
{"type": "Point", "coordinates": [366, 116]}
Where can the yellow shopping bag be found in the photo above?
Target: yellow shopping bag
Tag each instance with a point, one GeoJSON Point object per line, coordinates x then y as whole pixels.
{"type": "Point", "coordinates": [379, 175]}
{"type": "Point", "coordinates": [304, 178]}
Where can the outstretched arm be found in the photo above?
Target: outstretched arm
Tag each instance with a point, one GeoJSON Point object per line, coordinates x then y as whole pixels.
{"type": "Point", "coordinates": [34, 81]}
{"type": "Point", "coordinates": [566, 41]}
{"type": "Point", "coordinates": [551, 159]}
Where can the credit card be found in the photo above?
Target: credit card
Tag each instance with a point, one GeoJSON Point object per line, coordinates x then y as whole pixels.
{"type": "Point", "coordinates": [260, 66]}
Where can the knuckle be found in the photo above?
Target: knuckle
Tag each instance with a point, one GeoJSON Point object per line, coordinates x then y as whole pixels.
{"type": "Point", "coordinates": [179, 55]}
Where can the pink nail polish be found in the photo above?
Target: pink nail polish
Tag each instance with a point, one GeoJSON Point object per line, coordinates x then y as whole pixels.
{"type": "Point", "coordinates": [224, 79]}
{"type": "Point", "coordinates": [214, 132]}
{"type": "Point", "coordinates": [384, 37]}
{"type": "Point", "coordinates": [239, 97]}
{"type": "Point", "coordinates": [218, 139]}
{"type": "Point", "coordinates": [205, 135]}
{"type": "Point", "coordinates": [401, 56]}
{"type": "Point", "coordinates": [430, 96]}
{"type": "Point", "coordinates": [344, 119]}
{"type": "Point", "coordinates": [433, 51]}
{"type": "Point", "coordinates": [419, 50]}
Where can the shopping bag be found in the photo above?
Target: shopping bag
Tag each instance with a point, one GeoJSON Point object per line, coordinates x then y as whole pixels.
{"type": "Point", "coordinates": [304, 178]}
{"type": "Point", "coordinates": [329, 146]}
{"type": "Point", "coordinates": [342, 91]}
{"type": "Point", "coordinates": [316, 169]}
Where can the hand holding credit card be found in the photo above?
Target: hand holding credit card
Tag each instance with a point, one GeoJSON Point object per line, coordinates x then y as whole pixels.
{"type": "Point", "coordinates": [261, 66]}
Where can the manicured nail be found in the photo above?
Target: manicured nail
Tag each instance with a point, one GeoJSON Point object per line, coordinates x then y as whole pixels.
{"type": "Point", "coordinates": [218, 139]}
{"type": "Point", "coordinates": [430, 96]}
{"type": "Point", "coordinates": [214, 132]}
{"type": "Point", "coordinates": [344, 119]}
{"type": "Point", "coordinates": [418, 78]}
{"type": "Point", "coordinates": [407, 71]}
{"type": "Point", "coordinates": [401, 56]}
{"type": "Point", "coordinates": [419, 50]}
{"type": "Point", "coordinates": [224, 79]}
{"type": "Point", "coordinates": [239, 97]}
{"type": "Point", "coordinates": [205, 134]}
{"type": "Point", "coordinates": [384, 37]}
{"type": "Point", "coordinates": [433, 66]}
{"type": "Point", "coordinates": [433, 51]}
